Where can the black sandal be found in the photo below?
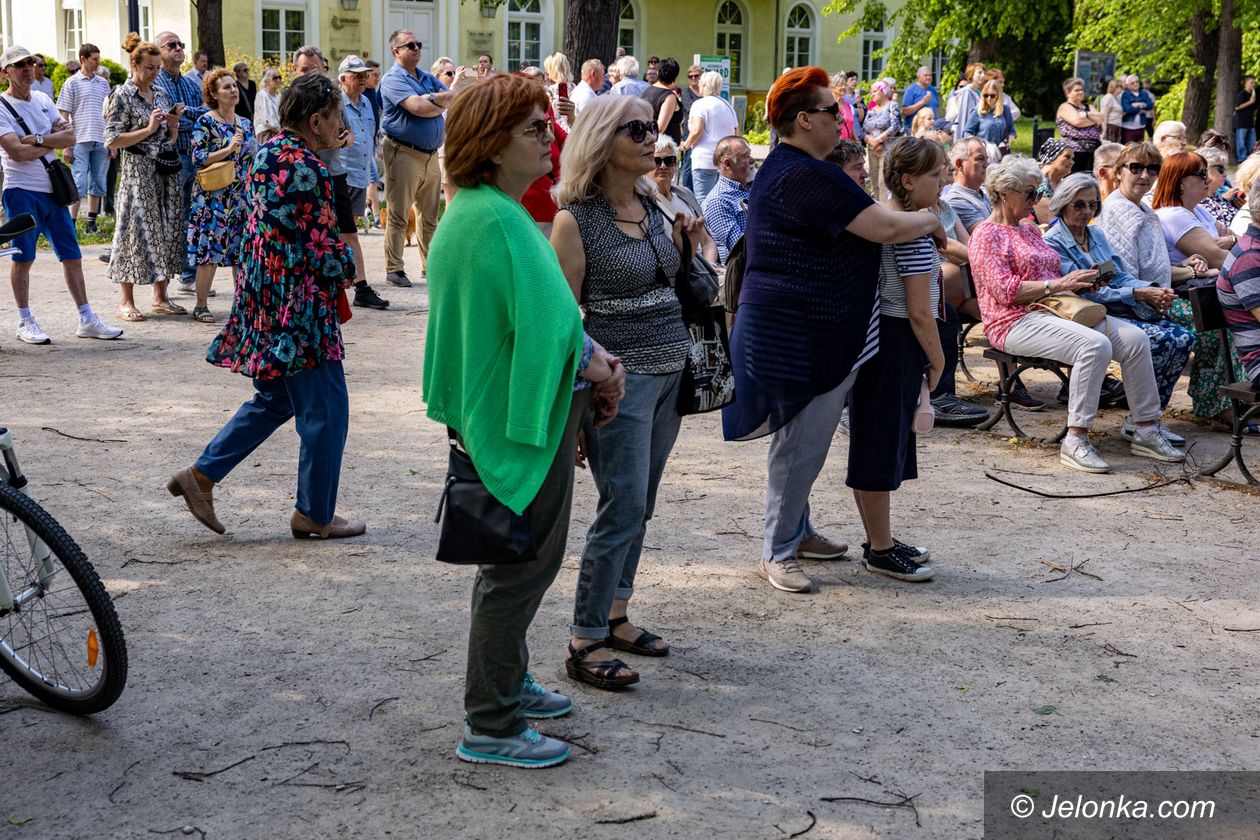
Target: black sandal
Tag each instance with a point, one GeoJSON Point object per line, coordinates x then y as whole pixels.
{"type": "Point", "coordinates": [642, 645]}
{"type": "Point", "coordinates": [610, 674]}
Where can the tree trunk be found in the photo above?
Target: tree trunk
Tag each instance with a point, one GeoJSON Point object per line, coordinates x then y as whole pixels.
{"type": "Point", "coordinates": [210, 31]}
{"type": "Point", "coordinates": [1228, 64]}
{"type": "Point", "coordinates": [982, 50]}
{"type": "Point", "coordinates": [1200, 89]}
{"type": "Point", "coordinates": [590, 31]}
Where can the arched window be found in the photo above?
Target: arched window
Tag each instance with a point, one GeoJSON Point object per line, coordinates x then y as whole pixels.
{"type": "Point", "coordinates": [628, 28]}
{"type": "Point", "coordinates": [731, 37]}
{"type": "Point", "coordinates": [524, 34]}
{"type": "Point", "coordinates": [799, 47]}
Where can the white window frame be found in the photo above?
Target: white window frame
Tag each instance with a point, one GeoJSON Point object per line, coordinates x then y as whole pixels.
{"type": "Point", "coordinates": [514, 59]}
{"type": "Point", "coordinates": [146, 20]}
{"type": "Point", "coordinates": [6, 26]}
{"type": "Point", "coordinates": [938, 61]}
{"type": "Point", "coordinates": [310, 23]}
{"type": "Point", "coordinates": [632, 24]}
{"type": "Point", "coordinates": [873, 40]}
{"type": "Point", "coordinates": [72, 9]}
{"type": "Point", "coordinates": [810, 33]}
{"type": "Point", "coordinates": [741, 67]}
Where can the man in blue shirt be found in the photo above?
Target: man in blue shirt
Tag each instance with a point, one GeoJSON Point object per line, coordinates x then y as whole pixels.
{"type": "Point", "coordinates": [185, 94]}
{"type": "Point", "coordinates": [922, 93]}
{"type": "Point", "coordinates": [414, 102]}
{"type": "Point", "coordinates": [629, 84]}
{"type": "Point", "coordinates": [356, 165]}
{"type": "Point", "coordinates": [726, 206]}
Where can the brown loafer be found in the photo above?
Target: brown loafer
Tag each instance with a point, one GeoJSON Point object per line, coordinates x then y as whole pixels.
{"type": "Point", "coordinates": [302, 526]}
{"type": "Point", "coordinates": [200, 502]}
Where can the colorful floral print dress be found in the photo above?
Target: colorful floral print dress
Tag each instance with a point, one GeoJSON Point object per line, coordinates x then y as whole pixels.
{"type": "Point", "coordinates": [284, 317]}
{"type": "Point", "coordinates": [216, 219]}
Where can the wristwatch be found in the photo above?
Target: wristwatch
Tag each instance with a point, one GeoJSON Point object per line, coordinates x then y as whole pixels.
{"type": "Point", "coordinates": [39, 140]}
{"type": "Point", "coordinates": [1046, 285]}
{"type": "Point", "coordinates": [432, 99]}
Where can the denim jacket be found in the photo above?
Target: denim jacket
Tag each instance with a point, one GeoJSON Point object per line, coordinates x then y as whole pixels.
{"type": "Point", "coordinates": [1117, 295]}
{"type": "Point", "coordinates": [357, 158]}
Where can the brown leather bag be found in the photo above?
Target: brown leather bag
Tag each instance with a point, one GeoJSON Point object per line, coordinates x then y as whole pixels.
{"type": "Point", "coordinates": [1072, 307]}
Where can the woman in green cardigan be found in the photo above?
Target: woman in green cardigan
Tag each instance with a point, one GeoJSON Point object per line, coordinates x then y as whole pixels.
{"type": "Point", "coordinates": [508, 366]}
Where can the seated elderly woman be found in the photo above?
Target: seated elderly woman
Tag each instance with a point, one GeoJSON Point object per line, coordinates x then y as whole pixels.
{"type": "Point", "coordinates": [1013, 269]}
{"type": "Point", "coordinates": [675, 198]}
{"type": "Point", "coordinates": [1221, 202]}
{"type": "Point", "coordinates": [1170, 137]}
{"type": "Point", "coordinates": [1238, 288]}
{"type": "Point", "coordinates": [1057, 159]}
{"type": "Point", "coordinates": [1146, 306]}
{"type": "Point", "coordinates": [1188, 227]}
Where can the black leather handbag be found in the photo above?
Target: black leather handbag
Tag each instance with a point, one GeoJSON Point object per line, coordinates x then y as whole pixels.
{"type": "Point", "coordinates": [478, 529]}
{"type": "Point", "coordinates": [64, 192]}
{"type": "Point", "coordinates": [708, 378]}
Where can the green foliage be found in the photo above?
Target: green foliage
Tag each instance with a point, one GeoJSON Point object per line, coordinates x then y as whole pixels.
{"type": "Point", "coordinates": [256, 66]}
{"type": "Point", "coordinates": [756, 129]}
{"type": "Point", "coordinates": [117, 73]}
{"type": "Point", "coordinates": [1149, 38]}
{"type": "Point", "coordinates": [55, 70]}
{"type": "Point", "coordinates": [1168, 106]}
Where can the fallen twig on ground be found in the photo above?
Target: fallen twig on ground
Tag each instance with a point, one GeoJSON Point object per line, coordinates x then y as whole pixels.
{"type": "Point", "coordinates": [903, 802]}
{"type": "Point", "coordinates": [378, 704]}
{"type": "Point", "coordinates": [1154, 486]}
{"type": "Point", "coordinates": [1241, 629]}
{"type": "Point", "coordinates": [119, 786]}
{"type": "Point", "coordinates": [201, 776]}
{"type": "Point", "coordinates": [76, 437]}
{"type": "Point", "coordinates": [683, 728]}
{"type": "Point", "coordinates": [813, 821]}
{"type": "Point", "coordinates": [315, 743]}
{"type": "Point", "coordinates": [1088, 624]}
{"type": "Point", "coordinates": [623, 820]}
{"type": "Point", "coordinates": [776, 723]}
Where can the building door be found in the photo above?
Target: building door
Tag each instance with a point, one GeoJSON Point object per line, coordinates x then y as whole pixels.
{"type": "Point", "coordinates": [419, 17]}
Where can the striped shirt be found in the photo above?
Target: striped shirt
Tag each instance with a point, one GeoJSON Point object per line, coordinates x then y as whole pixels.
{"type": "Point", "coordinates": [83, 100]}
{"type": "Point", "coordinates": [897, 262]}
{"type": "Point", "coordinates": [1238, 287]}
{"type": "Point", "coordinates": [185, 90]}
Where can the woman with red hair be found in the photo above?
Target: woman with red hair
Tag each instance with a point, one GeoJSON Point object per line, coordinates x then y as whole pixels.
{"type": "Point", "coordinates": [1188, 227]}
{"type": "Point", "coordinates": [808, 312]}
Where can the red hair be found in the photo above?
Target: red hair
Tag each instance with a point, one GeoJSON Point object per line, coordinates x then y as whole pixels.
{"type": "Point", "coordinates": [792, 93]}
{"type": "Point", "coordinates": [1176, 167]}
{"type": "Point", "coordinates": [480, 121]}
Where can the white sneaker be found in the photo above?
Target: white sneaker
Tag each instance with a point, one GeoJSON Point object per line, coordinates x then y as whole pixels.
{"type": "Point", "coordinates": [186, 288]}
{"type": "Point", "coordinates": [1156, 446]}
{"type": "Point", "coordinates": [96, 329]}
{"type": "Point", "coordinates": [30, 332]}
{"type": "Point", "coordinates": [1084, 457]}
{"type": "Point", "coordinates": [1130, 428]}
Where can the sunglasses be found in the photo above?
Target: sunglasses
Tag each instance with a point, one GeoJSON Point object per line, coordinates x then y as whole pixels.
{"type": "Point", "coordinates": [990, 96]}
{"type": "Point", "coordinates": [174, 45]}
{"type": "Point", "coordinates": [690, 76]}
{"type": "Point", "coordinates": [639, 130]}
{"type": "Point", "coordinates": [23, 64]}
{"type": "Point", "coordinates": [539, 128]}
{"type": "Point", "coordinates": [449, 73]}
{"type": "Point", "coordinates": [1151, 169]}
{"type": "Point", "coordinates": [410, 45]}
{"type": "Point", "coordinates": [833, 109]}
{"type": "Point", "coordinates": [1218, 168]}
{"type": "Point", "coordinates": [1093, 206]}
{"type": "Point", "coordinates": [1198, 173]}
{"type": "Point", "coordinates": [1030, 196]}
{"type": "Point", "coordinates": [669, 160]}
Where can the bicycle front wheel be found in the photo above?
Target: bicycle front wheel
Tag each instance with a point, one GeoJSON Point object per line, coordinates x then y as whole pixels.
{"type": "Point", "coordinates": [61, 639]}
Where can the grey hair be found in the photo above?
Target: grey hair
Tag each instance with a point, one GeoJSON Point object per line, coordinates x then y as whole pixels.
{"type": "Point", "coordinates": [1067, 190]}
{"type": "Point", "coordinates": [837, 80]}
{"type": "Point", "coordinates": [1212, 156]}
{"type": "Point", "coordinates": [629, 66]}
{"type": "Point", "coordinates": [1010, 175]}
{"type": "Point", "coordinates": [239, 66]}
{"type": "Point", "coordinates": [308, 50]}
{"type": "Point", "coordinates": [1253, 200]}
{"type": "Point", "coordinates": [922, 70]}
{"type": "Point", "coordinates": [270, 73]}
{"type": "Point", "coordinates": [591, 64]}
{"type": "Point", "coordinates": [1106, 155]}
{"type": "Point", "coordinates": [665, 146]}
{"type": "Point", "coordinates": [963, 147]}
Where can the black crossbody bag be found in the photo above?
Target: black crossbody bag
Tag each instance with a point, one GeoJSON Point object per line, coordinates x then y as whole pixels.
{"type": "Point", "coordinates": [478, 529]}
{"type": "Point", "coordinates": [64, 192]}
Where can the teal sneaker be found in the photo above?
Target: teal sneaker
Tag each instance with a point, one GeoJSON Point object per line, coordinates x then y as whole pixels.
{"type": "Point", "coordinates": [531, 749]}
{"type": "Point", "coordinates": [538, 702]}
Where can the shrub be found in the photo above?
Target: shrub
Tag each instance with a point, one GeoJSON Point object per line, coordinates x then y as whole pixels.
{"type": "Point", "coordinates": [117, 73]}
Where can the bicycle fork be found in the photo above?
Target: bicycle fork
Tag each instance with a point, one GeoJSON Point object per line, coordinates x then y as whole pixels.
{"type": "Point", "coordinates": [11, 474]}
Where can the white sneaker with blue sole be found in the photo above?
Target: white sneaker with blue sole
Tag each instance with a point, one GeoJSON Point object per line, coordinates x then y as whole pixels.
{"type": "Point", "coordinates": [530, 750]}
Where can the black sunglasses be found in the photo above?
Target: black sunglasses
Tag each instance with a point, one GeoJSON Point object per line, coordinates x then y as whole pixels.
{"type": "Point", "coordinates": [1093, 206]}
{"type": "Point", "coordinates": [174, 45]}
{"type": "Point", "coordinates": [668, 160]}
{"type": "Point", "coordinates": [690, 76]}
{"type": "Point", "coordinates": [639, 130]}
{"type": "Point", "coordinates": [1219, 168]}
{"type": "Point", "coordinates": [833, 109]}
{"type": "Point", "coordinates": [449, 73]}
{"type": "Point", "coordinates": [1198, 173]}
{"type": "Point", "coordinates": [1151, 169]}
{"type": "Point", "coordinates": [410, 45]}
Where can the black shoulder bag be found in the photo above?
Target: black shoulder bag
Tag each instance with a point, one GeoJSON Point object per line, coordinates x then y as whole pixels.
{"type": "Point", "coordinates": [64, 192]}
{"type": "Point", "coordinates": [478, 529]}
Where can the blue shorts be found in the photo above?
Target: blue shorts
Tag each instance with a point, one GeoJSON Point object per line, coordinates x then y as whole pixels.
{"type": "Point", "coordinates": [91, 163]}
{"type": "Point", "coordinates": [51, 219]}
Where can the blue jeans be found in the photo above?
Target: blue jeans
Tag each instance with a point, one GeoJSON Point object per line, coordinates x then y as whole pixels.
{"type": "Point", "coordinates": [1244, 139]}
{"type": "Point", "coordinates": [318, 400]}
{"type": "Point", "coordinates": [704, 180]}
{"type": "Point", "coordinates": [798, 451]}
{"type": "Point", "coordinates": [627, 458]}
{"type": "Point", "coordinates": [187, 174]}
{"type": "Point", "coordinates": [687, 180]}
{"type": "Point", "coordinates": [91, 162]}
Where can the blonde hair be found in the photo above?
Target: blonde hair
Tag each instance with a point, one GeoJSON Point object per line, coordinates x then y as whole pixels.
{"type": "Point", "coordinates": [1247, 171]}
{"type": "Point", "coordinates": [922, 121]}
{"type": "Point", "coordinates": [710, 83]}
{"type": "Point", "coordinates": [558, 68]}
{"type": "Point", "coordinates": [998, 104]}
{"type": "Point", "coordinates": [590, 146]}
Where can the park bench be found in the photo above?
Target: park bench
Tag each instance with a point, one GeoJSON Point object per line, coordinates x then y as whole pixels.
{"type": "Point", "coordinates": [1244, 397]}
{"type": "Point", "coordinates": [1010, 367]}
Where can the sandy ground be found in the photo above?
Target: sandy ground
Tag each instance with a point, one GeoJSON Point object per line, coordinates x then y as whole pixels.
{"type": "Point", "coordinates": [318, 687]}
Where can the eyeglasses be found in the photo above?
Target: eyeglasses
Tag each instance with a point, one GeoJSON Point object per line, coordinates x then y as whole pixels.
{"type": "Point", "coordinates": [539, 128]}
{"type": "Point", "coordinates": [639, 130]}
{"type": "Point", "coordinates": [174, 45]}
{"type": "Point", "coordinates": [1151, 169]}
{"type": "Point", "coordinates": [691, 76]}
{"type": "Point", "coordinates": [23, 64]}
{"type": "Point", "coordinates": [449, 73]}
{"type": "Point", "coordinates": [1030, 196]}
{"type": "Point", "coordinates": [990, 96]}
{"type": "Point", "coordinates": [410, 45]}
{"type": "Point", "coordinates": [669, 160]}
{"type": "Point", "coordinates": [1218, 168]}
{"type": "Point", "coordinates": [1198, 173]}
{"type": "Point", "coordinates": [1093, 206]}
{"type": "Point", "coordinates": [833, 109]}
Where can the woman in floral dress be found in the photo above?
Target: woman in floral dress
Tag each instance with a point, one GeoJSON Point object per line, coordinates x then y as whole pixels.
{"type": "Point", "coordinates": [148, 232]}
{"type": "Point", "coordinates": [284, 331]}
{"type": "Point", "coordinates": [217, 218]}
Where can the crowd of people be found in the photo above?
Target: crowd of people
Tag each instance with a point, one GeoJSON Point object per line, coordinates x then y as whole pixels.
{"type": "Point", "coordinates": [873, 227]}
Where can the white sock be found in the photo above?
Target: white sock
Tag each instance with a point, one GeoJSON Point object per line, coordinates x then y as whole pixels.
{"type": "Point", "coordinates": [24, 313]}
{"type": "Point", "coordinates": [86, 314]}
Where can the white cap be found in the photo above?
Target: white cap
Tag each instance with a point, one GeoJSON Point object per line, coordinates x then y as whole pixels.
{"type": "Point", "coordinates": [13, 55]}
{"type": "Point", "coordinates": [352, 64]}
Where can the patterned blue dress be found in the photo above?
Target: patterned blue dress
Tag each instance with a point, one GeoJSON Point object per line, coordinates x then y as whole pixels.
{"type": "Point", "coordinates": [217, 219]}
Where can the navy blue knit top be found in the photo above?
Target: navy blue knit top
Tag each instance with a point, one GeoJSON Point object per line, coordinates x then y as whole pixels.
{"type": "Point", "coordinates": [806, 307]}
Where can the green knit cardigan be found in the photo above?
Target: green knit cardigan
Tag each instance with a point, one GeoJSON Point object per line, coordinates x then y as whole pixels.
{"type": "Point", "coordinates": [504, 341]}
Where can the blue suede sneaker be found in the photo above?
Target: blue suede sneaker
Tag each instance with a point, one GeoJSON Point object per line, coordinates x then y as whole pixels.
{"type": "Point", "coordinates": [531, 749]}
{"type": "Point", "coordinates": [538, 702]}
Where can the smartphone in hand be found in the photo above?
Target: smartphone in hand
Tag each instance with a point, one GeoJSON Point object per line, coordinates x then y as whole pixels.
{"type": "Point", "coordinates": [1106, 271]}
{"type": "Point", "coordinates": [562, 89]}
{"type": "Point", "coordinates": [177, 108]}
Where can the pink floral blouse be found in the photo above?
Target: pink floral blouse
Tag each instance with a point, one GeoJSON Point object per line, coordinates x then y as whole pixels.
{"type": "Point", "coordinates": [1001, 258]}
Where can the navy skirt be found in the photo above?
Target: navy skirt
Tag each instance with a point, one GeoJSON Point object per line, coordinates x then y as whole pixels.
{"type": "Point", "coordinates": [881, 410]}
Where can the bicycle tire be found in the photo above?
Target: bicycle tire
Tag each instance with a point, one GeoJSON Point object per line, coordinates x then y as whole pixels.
{"type": "Point", "coordinates": [57, 664]}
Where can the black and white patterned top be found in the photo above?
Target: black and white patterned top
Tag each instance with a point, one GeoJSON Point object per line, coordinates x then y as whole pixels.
{"type": "Point", "coordinates": [918, 256]}
{"type": "Point", "coordinates": [628, 291]}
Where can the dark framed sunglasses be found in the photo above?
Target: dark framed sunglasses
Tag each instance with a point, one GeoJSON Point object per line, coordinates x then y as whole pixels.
{"type": "Point", "coordinates": [693, 75]}
{"type": "Point", "coordinates": [639, 130]}
{"type": "Point", "coordinates": [1030, 195]}
{"type": "Point", "coordinates": [1151, 169]}
{"type": "Point", "coordinates": [539, 128]}
{"type": "Point", "coordinates": [990, 96]}
{"type": "Point", "coordinates": [448, 73]}
{"type": "Point", "coordinates": [1093, 206]}
{"type": "Point", "coordinates": [174, 45]}
{"type": "Point", "coordinates": [668, 160]}
{"type": "Point", "coordinates": [1198, 173]}
{"type": "Point", "coordinates": [410, 45]}
{"type": "Point", "coordinates": [833, 109]}
{"type": "Point", "coordinates": [1219, 168]}
{"type": "Point", "coordinates": [23, 64]}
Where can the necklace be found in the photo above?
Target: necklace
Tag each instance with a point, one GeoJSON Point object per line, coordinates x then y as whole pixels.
{"type": "Point", "coordinates": [1084, 243]}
